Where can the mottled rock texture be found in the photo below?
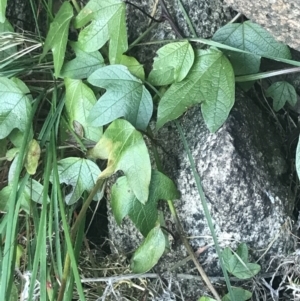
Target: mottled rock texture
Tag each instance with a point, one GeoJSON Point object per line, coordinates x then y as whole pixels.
{"type": "Point", "coordinates": [242, 167]}
{"type": "Point", "coordinates": [280, 17]}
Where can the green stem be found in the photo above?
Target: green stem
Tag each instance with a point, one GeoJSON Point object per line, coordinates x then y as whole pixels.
{"type": "Point", "coordinates": [76, 5]}
{"type": "Point", "coordinates": [205, 208]}
{"type": "Point", "coordinates": [99, 184]}
{"type": "Point", "coordinates": [187, 19]}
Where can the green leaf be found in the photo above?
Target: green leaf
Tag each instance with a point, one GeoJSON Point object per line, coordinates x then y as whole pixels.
{"type": "Point", "coordinates": [81, 174]}
{"type": "Point", "coordinates": [57, 36]}
{"type": "Point", "coordinates": [9, 49]}
{"type": "Point", "coordinates": [172, 64]}
{"type": "Point", "coordinates": [149, 252]}
{"type": "Point", "coordinates": [237, 263]}
{"type": "Point", "coordinates": [108, 23]}
{"type": "Point", "coordinates": [133, 66]}
{"type": "Point", "coordinates": [33, 191]}
{"type": "Point", "coordinates": [14, 107]}
{"type": "Point", "coordinates": [32, 157]}
{"type": "Point", "coordinates": [79, 101]}
{"type": "Point", "coordinates": [125, 97]}
{"type": "Point", "coordinates": [205, 298]}
{"type": "Point", "coordinates": [209, 82]}
{"type": "Point", "coordinates": [239, 295]}
{"type": "Point", "coordinates": [250, 37]}
{"type": "Point", "coordinates": [83, 65]}
{"type": "Point", "coordinates": [3, 4]}
{"type": "Point", "coordinates": [125, 149]}
{"type": "Point", "coordinates": [124, 202]}
{"type": "Point", "coordinates": [298, 158]}
{"type": "Point", "coordinates": [281, 92]}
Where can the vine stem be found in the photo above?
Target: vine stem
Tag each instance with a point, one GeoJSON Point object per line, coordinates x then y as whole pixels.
{"type": "Point", "coordinates": [98, 186]}
{"type": "Point", "coordinates": [191, 252]}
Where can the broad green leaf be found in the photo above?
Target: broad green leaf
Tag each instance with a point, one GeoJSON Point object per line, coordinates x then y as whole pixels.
{"type": "Point", "coordinates": [83, 65]}
{"type": "Point", "coordinates": [282, 92]}
{"type": "Point", "coordinates": [3, 4]}
{"type": "Point", "coordinates": [250, 37]}
{"type": "Point", "coordinates": [133, 66]}
{"type": "Point", "coordinates": [125, 97]}
{"type": "Point", "coordinates": [14, 107]}
{"type": "Point", "coordinates": [57, 36]}
{"type": "Point", "coordinates": [239, 294]}
{"type": "Point", "coordinates": [124, 202]}
{"type": "Point", "coordinates": [125, 149]}
{"type": "Point", "coordinates": [172, 64]}
{"type": "Point", "coordinates": [237, 263]}
{"type": "Point", "coordinates": [6, 49]}
{"type": "Point", "coordinates": [33, 191]}
{"type": "Point", "coordinates": [108, 23]}
{"type": "Point", "coordinates": [79, 101]}
{"type": "Point", "coordinates": [149, 252]}
{"type": "Point", "coordinates": [79, 173]}
{"type": "Point", "coordinates": [205, 298]}
{"type": "Point", "coordinates": [32, 157]}
{"type": "Point", "coordinates": [209, 82]}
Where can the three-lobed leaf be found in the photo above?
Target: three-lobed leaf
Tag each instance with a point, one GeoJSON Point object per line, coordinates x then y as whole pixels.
{"type": "Point", "coordinates": [107, 23]}
{"type": "Point", "coordinates": [83, 65]}
{"type": "Point", "coordinates": [149, 252]}
{"type": "Point", "coordinates": [250, 37]}
{"type": "Point", "coordinates": [144, 216]}
{"type": "Point", "coordinates": [237, 263]}
{"type": "Point", "coordinates": [282, 92]}
{"type": "Point", "coordinates": [80, 100]}
{"type": "Point", "coordinates": [125, 96]}
{"type": "Point", "coordinates": [79, 173]}
{"type": "Point", "coordinates": [15, 107]}
{"type": "Point", "coordinates": [172, 64]}
{"type": "Point", "coordinates": [57, 36]}
{"type": "Point", "coordinates": [125, 149]}
{"type": "Point", "coordinates": [209, 82]}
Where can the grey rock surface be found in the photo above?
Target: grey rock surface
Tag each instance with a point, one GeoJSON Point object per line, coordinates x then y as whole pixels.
{"type": "Point", "coordinates": [206, 17]}
{"type": "Point", "coordinates": [242, 167]}
{"type": "Point", "coordinates": [280, 17]}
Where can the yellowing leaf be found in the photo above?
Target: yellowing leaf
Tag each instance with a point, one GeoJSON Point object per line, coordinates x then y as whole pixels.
{"type": "Point", "coordinates": [125, 149]}
{"type": "Point", "coordinates": [125, 96]}
{"type": "Point", "coordinates": [57, 36]}
{"type": "Point", "coordinates": [172, 64]}
{"type": "Point", "coordinates": [108, 23]}
{"type": "Point", "coordinates": [79, 101]}
{"type": "Point", "coordinates": [32, 157]}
